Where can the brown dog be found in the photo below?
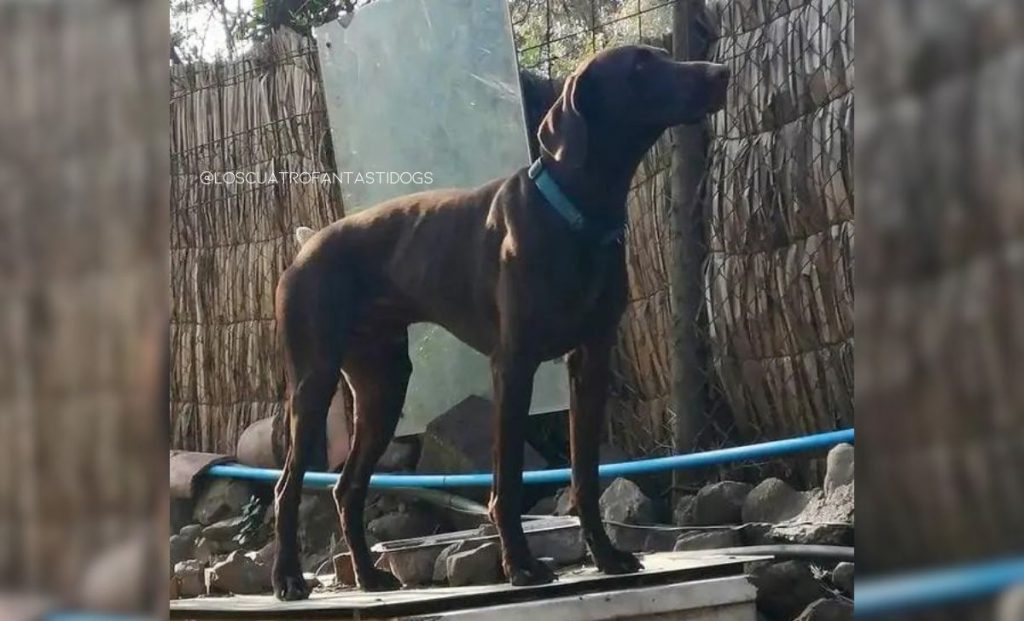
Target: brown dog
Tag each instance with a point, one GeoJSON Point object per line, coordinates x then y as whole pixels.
{"type": "Point", "coordinates": [523, 269]}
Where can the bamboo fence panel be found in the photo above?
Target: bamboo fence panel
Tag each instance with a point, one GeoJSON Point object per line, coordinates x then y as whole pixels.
{"type": "Point", "coordinates": [263, 114]}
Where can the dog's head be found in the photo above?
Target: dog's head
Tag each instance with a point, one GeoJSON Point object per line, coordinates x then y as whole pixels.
{"type": "Point", "coordinates": [629, 90]}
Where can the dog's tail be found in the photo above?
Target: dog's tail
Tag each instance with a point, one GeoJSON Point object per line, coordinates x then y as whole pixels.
{"type": "Point", "coordinates": [302, 235]}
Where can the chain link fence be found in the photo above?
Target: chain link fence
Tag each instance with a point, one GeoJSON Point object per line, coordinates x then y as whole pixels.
{"type": "Point", "coordinates": [776, 325]}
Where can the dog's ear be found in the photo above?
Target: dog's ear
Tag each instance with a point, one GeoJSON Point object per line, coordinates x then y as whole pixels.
{"type": "Point", "coordinates": [563, 132]}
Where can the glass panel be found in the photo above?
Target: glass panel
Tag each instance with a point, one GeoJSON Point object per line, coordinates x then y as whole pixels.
{"type": "Point", "coordinates": [429, 86]}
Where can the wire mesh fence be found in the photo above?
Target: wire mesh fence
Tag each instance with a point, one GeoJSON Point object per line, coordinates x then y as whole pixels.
{"type": "Point", "coordinates": [777, 230]}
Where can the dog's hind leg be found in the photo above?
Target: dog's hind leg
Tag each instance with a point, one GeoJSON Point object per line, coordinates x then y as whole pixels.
{"type": "Point", "coordinates": [312, 330]}
{"type": "Point", "coordinates": [378, 375]}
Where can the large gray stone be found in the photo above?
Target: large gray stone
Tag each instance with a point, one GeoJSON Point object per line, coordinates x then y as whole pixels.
{"type": "Point", "coordinates": [784, 589]}
{"type": "Point", "coordinates": [478, 566]}
{"type": "Point", "coordinates": [707, 540]}
{"type": "Point", "coordinates": [189, 578]}
{"type": "Point", "coordinates": [344, 573]}
{"type": "Point", "coordinates": [441, 563]}
{"type": "Point", "coordinates": [623, 502]}
{"type": "Point", "coordinates": [220, 499]}
{"type": "Point", "coordinates": [319, 531]}
{"type": "Point", "coordinates": [461, 440]}
{"type": "Point", "coordinates": [839, 467]}
{"type": "Point", "coordinates": [824, 520]}
{"type": "Point", "coordinates": [238, 574]}
{"type": "Point", "coordinates": [682, 513]}
{"type": "Point", "coordinates": [401, 455]}
{"type": "Point", "coordinates": [544, 506]}
{"type": "Point", "coordinates": [221, 535]}
{"type": "Point", "coordinates": [720, 503]}
{"type": "Point", "coordinates": [564, 545]}
{"type": "Point", "coordinates": [180, 549]}
{"type": "Point", "coordinates": [563, 502]}
{"type": "Point", "coordinates": [842, 577]}
{"type": "Point", "coordinates": [181, 510]}
{"type": "Point", "coordinates": [827, 609]}
{"type": "Point", "coordinates": [773, 501]}
{"type": "Point", "coordinates": [414, 567]}
{"type": "Point", "coordinates": [412, 522]}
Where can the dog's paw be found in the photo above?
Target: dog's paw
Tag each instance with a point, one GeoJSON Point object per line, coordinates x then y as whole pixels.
{"type": "Point", "coordinates": [378, 580]}
{"type": "Point", "coordinates": [529, 573]}
{"type": "Point", "coordinates": [612, 561]}
{"type": "Point", "coordinates": [290, 586]}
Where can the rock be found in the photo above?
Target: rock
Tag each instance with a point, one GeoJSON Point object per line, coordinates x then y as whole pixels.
{"type": "Point", "coordinates": [414, 567]}
{"type": "Point", "coordinates": [266, 554]}
{"type": "Point", "coordinates": [609, 454]}
{"type": "Point", "coordinates": [381, 503]}
{"type": "Point", "coordinates": [564, 545]}
{"type": "Point", "coordinates": [842, 577]}
{"type": "Point", "coordinates": [203, 551]}
{"type": "Point", "coordinates": [401, 455]}
{"type": "Point", "coordinates": [626, 537]}
{"type": "Point", "coordinates": [181, 513]}
{"type": "Point", "coordinates": [221, 535]}
{"type": "Point", "coordinates": [682, 514]}
{"type": "Point", "coordinates": [826, 534]}
{"type": "Point", "coordinates": [413, 522]}
{"type": "Point", "coordinates": [563, 502]}
{"type": "Point", "coordinates": [720, 503]}
{"type": "Point", "coordinates": [755, 534]}
{"type": "Point", "coordinates": [441, 563]}
{"type": "Point", "coordinates": [238, 574]}
{"type": "Point", "coordinates": [189, 578]}
{"type": "Point", "coordinates": [221, 498]}
{"type": "Point", "coordinates": [344, 574]}
{"type": "Point", "coordinates": [784, 589]}
{"type": "Point", "coordinates": [823, 520]}
{"type": "Point", "coordinates": [461, 440]}
{"type": "Point", "coordinates": [478, 566]}
{"type": "Point", "coordinates": [660, 539]}
{"type": "Point", "coordinates": [319, 530]}
{"type": "Point", "coordinates": [191, 531]}
{"type": "Point", "coordinates": [839, 467]}
{"type": "Point", "coordinates": [623, 502]}
{"type": "Point", "coordinates": [707, 540]}
{"type": "Point", "coordinates": [772, 501]}
{"type": "Point", "coordinates": [827, 609]}
{"type": "Point", "coordinates": [1010, 605]}
{"type": "Point", "coordinates": [544, 506]}
{"type": "Point", "coordinates": [180, 549]}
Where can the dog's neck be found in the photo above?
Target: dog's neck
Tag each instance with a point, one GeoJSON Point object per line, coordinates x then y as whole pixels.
{"type": "Point", "coordinates": [600, 186]}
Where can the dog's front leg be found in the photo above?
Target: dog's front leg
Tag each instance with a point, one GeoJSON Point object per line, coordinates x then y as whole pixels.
{"type": "Point", "coordinates": [513, 387]}
{"type": "Point", "coordinates": [588, 376]}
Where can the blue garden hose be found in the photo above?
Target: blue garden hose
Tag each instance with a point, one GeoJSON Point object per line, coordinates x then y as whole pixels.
{"type": "Point", "coordinates": [930, 589]}
{"type": "Point", "coordinates": [764, 450]}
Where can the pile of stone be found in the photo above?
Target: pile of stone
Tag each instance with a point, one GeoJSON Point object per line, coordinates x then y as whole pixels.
{"type": "Point", "coordinates": [731, 514]}
{"type": "Point", "coordinates": [218, 548]}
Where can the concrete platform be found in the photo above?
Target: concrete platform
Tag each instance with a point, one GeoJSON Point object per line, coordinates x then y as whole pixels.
{"type": "Point", "coordinates": [674, 586]}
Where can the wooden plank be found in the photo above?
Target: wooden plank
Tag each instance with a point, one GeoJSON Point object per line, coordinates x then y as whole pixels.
{"type": "Point", "coordinates": [661, 568]}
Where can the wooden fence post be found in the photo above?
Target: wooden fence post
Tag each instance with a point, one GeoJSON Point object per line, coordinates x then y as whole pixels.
{"type": "Point", "coordinates": [687, 245]}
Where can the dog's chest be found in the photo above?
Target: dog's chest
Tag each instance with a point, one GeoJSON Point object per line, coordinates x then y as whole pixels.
{"type": "Point", "coordinates": [578, 295]}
